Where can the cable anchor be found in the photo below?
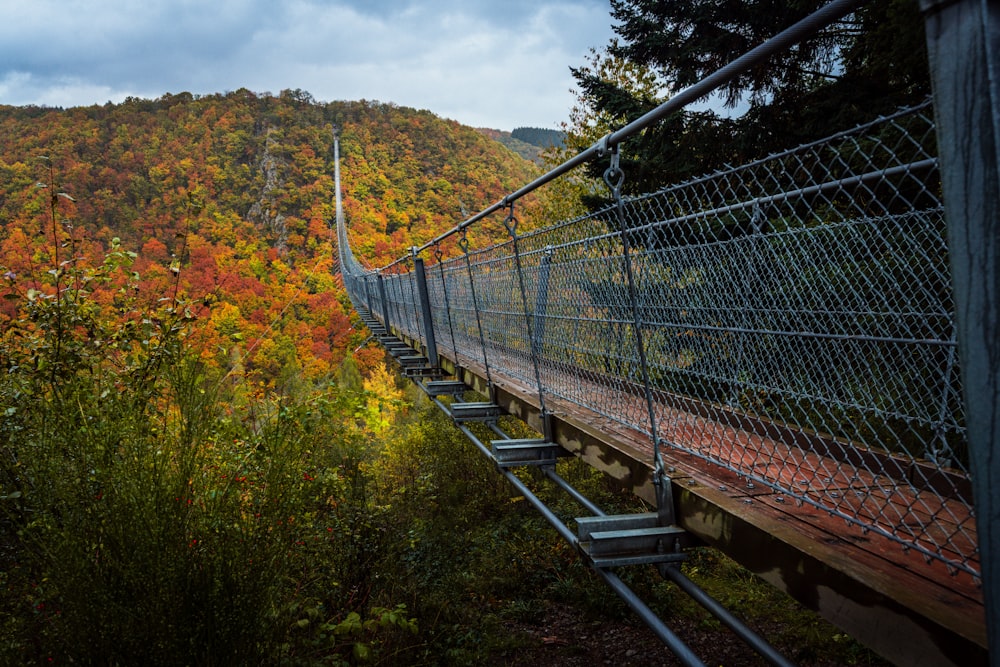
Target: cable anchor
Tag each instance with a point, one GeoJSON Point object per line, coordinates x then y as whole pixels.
{"type": "Point", "coordinates": [510, 222]}
{"type": "Point", "coordinates": [613, 175]}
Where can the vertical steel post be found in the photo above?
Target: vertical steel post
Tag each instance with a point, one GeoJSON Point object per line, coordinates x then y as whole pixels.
{"type": "Point", "coordinates": [385, 302]}
{"type": "Point", "coordinates": [368, 295]}
{"type": "Point", "coordinates": [510, 222]}
{"type": "Point", "coordinates": [425, 309]}
{"type": "Point", "coordinates": [614, 177]}
{"type": "Point", "coordinates": [963, 43]}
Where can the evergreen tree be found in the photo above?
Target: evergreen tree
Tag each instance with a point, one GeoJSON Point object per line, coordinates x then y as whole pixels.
{"type": "Point", "coordinates": [866, 64]}
{"type": "Point", "coordinates": [537, 136]}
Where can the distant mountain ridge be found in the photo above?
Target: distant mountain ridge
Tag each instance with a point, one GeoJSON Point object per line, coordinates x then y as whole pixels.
{"type": "Point", "coordinates": [528, 142]}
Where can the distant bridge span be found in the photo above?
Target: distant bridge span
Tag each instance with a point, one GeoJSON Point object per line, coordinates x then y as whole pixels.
{"type": "Point", "coordinates": [770, 355]}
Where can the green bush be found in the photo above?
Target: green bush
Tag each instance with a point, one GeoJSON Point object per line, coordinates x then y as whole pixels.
{"type": "Point", "coordinates": [147, 518]}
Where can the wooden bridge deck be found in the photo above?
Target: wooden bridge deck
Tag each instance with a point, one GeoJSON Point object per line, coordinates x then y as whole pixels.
{"type": "Point", "coordinates": [912, 609]}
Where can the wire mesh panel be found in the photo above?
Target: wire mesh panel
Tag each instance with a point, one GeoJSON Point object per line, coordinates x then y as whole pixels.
{"type": "Point", "coordinates": [454, 312]}
{"type": "Point", "coordinates": [820, 312]}
{"type": "Point", "coordinates": [795, 314]}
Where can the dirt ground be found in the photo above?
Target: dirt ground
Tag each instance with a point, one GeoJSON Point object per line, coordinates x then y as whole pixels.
{"type": "Point", "coordinates": [565, 638]}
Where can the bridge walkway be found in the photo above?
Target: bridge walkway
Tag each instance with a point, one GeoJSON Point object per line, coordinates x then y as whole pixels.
{"type": "Point", "coordinates": [802, 345]}
{"type": "Point", "coordinates": [898, 602]}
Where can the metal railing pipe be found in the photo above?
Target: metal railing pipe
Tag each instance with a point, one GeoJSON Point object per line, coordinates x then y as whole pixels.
{"type": "Point", "coordinates": [581, 499]}
{"type": "Point", "coordinates": [665, 634]}
{"type": "Point", "coordinates": [797, 32]}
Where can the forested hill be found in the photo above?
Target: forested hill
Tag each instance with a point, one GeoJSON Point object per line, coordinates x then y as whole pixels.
{"type": "Point", "coordinates": [232, 195]}
{"type": "Point", "coordinates": [528, 142]}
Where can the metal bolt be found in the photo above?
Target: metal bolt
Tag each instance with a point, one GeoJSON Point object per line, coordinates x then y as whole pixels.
{"type": "Point", "coordinates": [779, 499]}
{"type": "Point", "coordinates": [750, 484]}
{"type": "Point", "coordinates": [722, 487]}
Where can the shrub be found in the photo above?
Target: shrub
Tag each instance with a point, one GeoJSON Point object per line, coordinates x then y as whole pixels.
{"type": "Point", "coordinates": [147, 518]}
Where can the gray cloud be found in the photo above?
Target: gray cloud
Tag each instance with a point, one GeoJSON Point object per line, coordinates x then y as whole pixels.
{"type": "Point", "coordinates": [483, 63]}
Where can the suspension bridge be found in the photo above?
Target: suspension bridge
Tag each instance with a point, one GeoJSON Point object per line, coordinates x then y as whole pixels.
{"type": "Point", "coordinates": [793, 360]}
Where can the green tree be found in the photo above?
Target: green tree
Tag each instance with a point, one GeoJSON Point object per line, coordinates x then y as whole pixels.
{"type": "Point", "coordinates": [866, 64]}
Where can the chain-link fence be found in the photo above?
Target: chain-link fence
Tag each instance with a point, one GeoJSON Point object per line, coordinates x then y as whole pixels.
{"type": "Point", "coordinates": [790, 320]}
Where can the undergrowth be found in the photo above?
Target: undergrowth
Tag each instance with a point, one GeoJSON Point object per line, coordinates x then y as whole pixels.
{"type": "Point", "coordinates": [155, 510]}
{"type": "Point", "coordinates": [472, 558]}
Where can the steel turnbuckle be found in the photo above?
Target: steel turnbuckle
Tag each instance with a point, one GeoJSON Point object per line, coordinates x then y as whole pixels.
{"type": "Point", "coordinates": [613, 175]}
{"type": "Point", "coordinates": [510, 222]}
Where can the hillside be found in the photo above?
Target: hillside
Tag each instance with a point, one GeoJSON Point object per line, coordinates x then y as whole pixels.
{"type": "Point", "coordinates": [232, 195]}
{"type": "Point", "coordinates": [192, 468]}
{"type": "Point", "coordinates": [528, 142]}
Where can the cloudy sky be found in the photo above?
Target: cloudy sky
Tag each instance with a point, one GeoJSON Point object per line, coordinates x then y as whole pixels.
{"type": "Point", "coordinates": [485, 63]}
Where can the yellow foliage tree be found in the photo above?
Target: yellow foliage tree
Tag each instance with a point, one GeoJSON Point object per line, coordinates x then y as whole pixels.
{"type": "Point", "coordinates": [383, 399]}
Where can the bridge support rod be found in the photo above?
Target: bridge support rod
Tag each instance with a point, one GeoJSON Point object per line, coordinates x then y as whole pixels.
{"type": "Point", "coordinates": [614, 177]}
{"type": "Point", "coordinates": [447, 304]}
{"type": "Point", "coordinates": [628, 596]}
{"type": "Point", "coordinates": [963, 43]}
{"type": "Point", "coordinates": [463, 244]}
{"type": "Point", "coordinates": [752, 639]}
{"type": "Point", "coordinates": [529, 318]}
{"type": "Point", "coordinates": [664, 633]}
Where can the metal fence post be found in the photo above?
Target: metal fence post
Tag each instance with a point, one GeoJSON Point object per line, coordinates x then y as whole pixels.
{"type": "Point", "coordinates": [425, 309]}
{"type": "Point", "coordinates": [510, 222]}
{"type": "Point", "coordinates": [614, 177]}
{"type": "Point", "coordinates": [385, 302]}
{"type": "Point", "coordinates": [963, 40]}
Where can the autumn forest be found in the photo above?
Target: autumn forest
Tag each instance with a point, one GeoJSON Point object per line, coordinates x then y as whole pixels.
{"type": "Point", "coordinates": [229, 200]}
{"type": "Point", "coordinates": [203, 460]}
